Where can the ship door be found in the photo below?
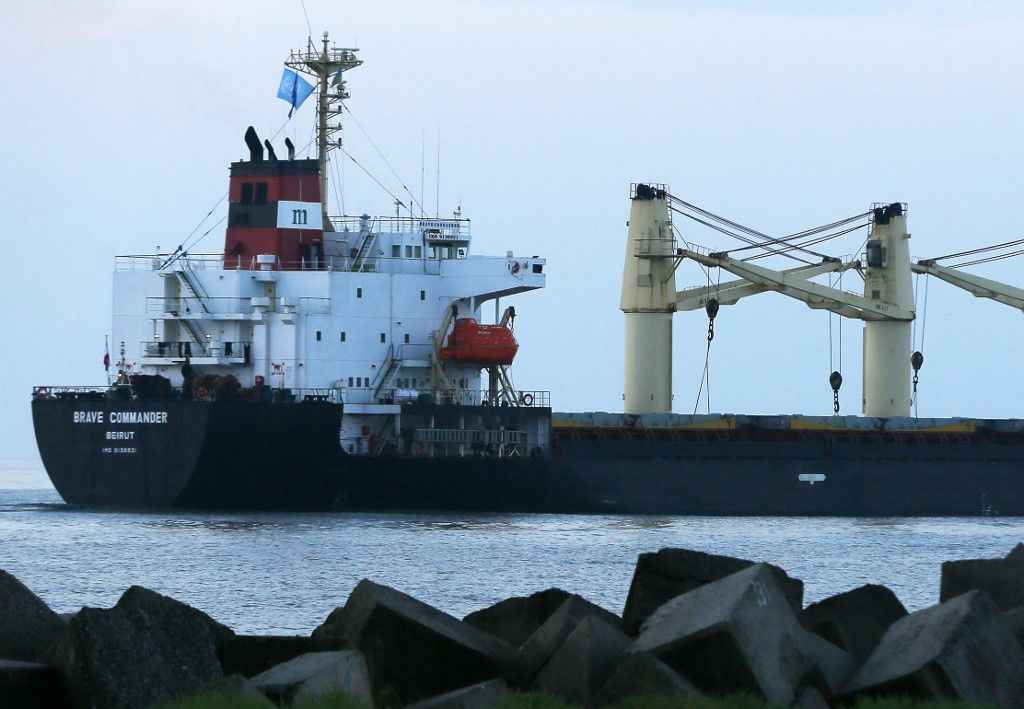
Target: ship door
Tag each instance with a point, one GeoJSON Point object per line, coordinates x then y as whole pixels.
{"type": "Point", "coordinates": [311, 255]}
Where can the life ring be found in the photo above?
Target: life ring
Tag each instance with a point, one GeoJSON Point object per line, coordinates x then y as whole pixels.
{"type": "Point", "coordinates": [42, 393]}
{"type": "Point", "coordinates": [515, 267]}
{"type": "Point", "coordinates": [202, 393]}
{"type": "Point", "coordinates": [526, 399]}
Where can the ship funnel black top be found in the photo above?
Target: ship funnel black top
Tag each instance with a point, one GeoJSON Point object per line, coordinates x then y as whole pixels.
{"type": "Point", "coordinates": [270, 150]}
{"type": "Point", "coordinates": [884, 214]}
{"type": "Point", "coordinates": [291, 148]}
{"type": "Point", "coordinates": [253, 141]}
{"type": "Point", "coordinates": [644, 192]}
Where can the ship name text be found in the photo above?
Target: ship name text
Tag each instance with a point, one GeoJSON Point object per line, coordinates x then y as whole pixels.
{"type": "Point", "coordinates": [120, 417]}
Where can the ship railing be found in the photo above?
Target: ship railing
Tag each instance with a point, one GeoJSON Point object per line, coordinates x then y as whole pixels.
{"type": "Point", "coordinates": [430, 263]}
{"type": "Point", "coordinates": [470, 436]}
{"type": "Point", "coordinates": [71, 393]}
{"type": "Point", "coordinates": [458, 397]}
{"type": "Point", "coordinates": [265, 394]}
{"type": "Point", "coordinates": [647, 247]}
{"type": "Point", "coordinates": [190, 305]}
{"type": "Point", "coordinates": [179, 349]}
{"type": "Point", "coordinates": [439, 228]}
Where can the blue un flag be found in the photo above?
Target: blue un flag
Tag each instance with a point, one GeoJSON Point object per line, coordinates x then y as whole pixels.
{"type": "Point", "coordinates": [294, 89]}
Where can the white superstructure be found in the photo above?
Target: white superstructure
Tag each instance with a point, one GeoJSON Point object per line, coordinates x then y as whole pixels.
{"type": "Point", "coordinates": [354, 310]}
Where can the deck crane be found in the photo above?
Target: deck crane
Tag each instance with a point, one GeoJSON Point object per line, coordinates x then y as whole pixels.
{"type": "Point", "coordinates": [975, 285]}
{"type": "Point", "coordinates": [649, 299]}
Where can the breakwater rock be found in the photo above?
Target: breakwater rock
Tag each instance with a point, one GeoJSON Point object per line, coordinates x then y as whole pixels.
{"type": "Point", "coordinates": [694, 625]}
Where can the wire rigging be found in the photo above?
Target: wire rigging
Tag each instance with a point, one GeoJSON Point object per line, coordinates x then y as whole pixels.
{"type": "Point", "coordinates": [981, 250]}
{"type": "Point", "coordinates": [370, 175]}
{"type": "Point", "coordinates": [393, 171]}
{"type": "Point", "coordinates": [772, 246]}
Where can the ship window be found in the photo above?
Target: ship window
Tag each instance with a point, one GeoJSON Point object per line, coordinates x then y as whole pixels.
{"type": "Point", "coordinates": [408, 251]}
{"type": "Point", "coordinates": [350, 381]}
{"type": "Point", "coordinates": [538, 268]}
{"type": "Point", "coordinates": [359, 292]}
{"type": "Point", "coordinates": [383, 337]}
{"type": "Point", "coordinates": [423, 295]}
{"type": "Point", "coordinates": [396, 251]}
{"type": "Point", "coordinates": [407, 338]}
{"type": "Point", "coordinates": [342, 335]}
{"type": "Point", "coordinates": [261, 193]}
{"type": "Point", "coordinates": [419, 251]}
{"type": "Point", "coordinates": [246, 193]}
{"type": "Point", "coordinates": [433, 252]}
{"type": "Point", "coordinates": [318, 336]}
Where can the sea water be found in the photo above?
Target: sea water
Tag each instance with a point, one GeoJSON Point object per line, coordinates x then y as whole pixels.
{"type": "Point", "coordinates": [283, 573]}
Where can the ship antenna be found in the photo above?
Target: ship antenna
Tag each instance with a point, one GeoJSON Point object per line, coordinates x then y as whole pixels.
{"type": "Point", "coordinates": [327, 65]}
{"type": "Point", "coordinates": [437, 177]}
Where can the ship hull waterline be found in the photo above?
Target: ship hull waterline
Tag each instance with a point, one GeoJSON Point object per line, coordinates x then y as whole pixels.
{"type": "Point", "coordinates": [239, 456]}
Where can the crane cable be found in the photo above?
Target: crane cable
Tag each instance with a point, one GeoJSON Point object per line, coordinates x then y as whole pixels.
{"type": "Point", "coordinates": [981, 250]}
{"type": "Point", "coordinates": [763, 241]}
{"type": "Point", "coordinates": [711, 308]}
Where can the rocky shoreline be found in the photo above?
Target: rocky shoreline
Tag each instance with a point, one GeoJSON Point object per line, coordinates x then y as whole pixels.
{"type": "Point", "coordinates": [694, 625]}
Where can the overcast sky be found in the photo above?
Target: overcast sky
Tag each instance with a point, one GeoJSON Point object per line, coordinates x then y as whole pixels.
{"type": "Point", "coordinates": [121, 119]}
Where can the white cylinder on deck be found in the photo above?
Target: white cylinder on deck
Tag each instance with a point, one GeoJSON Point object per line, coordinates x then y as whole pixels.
{"type": "Point", "coordinates": [887, 343]}
{"type": "Point", "coordinates": [648, 363]}
{"type": "Point", "coordinates": [648, 300]}
{"type": "Point", "coordinates": [887, 371]}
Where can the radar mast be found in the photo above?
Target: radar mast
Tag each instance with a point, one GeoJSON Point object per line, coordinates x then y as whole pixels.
{"type": "Point", "coordinates": [327, 66]}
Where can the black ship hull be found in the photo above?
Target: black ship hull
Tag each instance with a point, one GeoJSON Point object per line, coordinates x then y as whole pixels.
{"type": "Point", "coordinates": [243, 456]}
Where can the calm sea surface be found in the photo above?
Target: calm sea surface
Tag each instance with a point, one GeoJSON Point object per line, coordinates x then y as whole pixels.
{"type": "Point", "coordinates": [283, 573]}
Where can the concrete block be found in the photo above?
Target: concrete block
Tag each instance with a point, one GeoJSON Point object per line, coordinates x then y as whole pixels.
{"type": "Point", "coordinates": [740, 634]}
{"type": "Point", "coordinates": [855, 620]}
{"type": "Point", "coordinates": [584, 662]}
{"type": "Point", "coordinates": [415, 649]}
{"type": "Point", "coordinates": [145, 650]}
{"type": "Point", "coordinates": [670, 572]}
{"type": "Point", "coordinates": [317, 673]}
{"type": "Point", "coordinates": [641, 673]}
{"type": "Point", "coordinates": [248, 655]}
{"type": "Point", "coordinates": [484, 695]}
{"type": "Point", "coordinates": [515, 619]}
{"type": "Point", "coordinates": [1001, 579]}
{"type": "Point", "coordinates": [1016, 554]}
{"type": "Point", "coordinates": [539, 648]}
{"type": "Point", "coordinates": [1014, 620]}
{"type": "Point", "coordinates": [960, 649]}
{"type": "Point", "coordinates": [28, 628]}
{"type": "Point", "coordinates": [31, 685]}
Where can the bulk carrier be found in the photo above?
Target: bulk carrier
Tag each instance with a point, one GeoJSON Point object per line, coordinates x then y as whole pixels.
{"type": "Point", "coordinates": [353, 363]}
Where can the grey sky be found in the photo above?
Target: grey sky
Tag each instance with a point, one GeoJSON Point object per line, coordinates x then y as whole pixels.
{"type": "Point", "coordinates": [121, 120]}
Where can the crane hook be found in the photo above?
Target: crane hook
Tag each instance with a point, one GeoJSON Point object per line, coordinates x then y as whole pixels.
{"type": "Point", "coordinates": [711, 308]}
{"type": "Point", "coordinates": [835, 380]}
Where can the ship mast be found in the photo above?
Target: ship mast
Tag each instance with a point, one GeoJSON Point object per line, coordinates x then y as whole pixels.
{"type": "Point", "coordinates": [327, 67]}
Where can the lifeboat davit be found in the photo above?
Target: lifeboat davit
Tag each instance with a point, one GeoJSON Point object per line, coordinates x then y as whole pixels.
{"type": "Point", "coordinates": [485, 345]}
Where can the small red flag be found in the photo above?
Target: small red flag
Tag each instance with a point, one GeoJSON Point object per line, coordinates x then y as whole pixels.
{"type": "Point", "coordinates": [106, 355]}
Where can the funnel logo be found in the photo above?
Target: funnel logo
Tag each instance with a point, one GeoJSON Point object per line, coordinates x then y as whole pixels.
{"type": "Point", "coordinates": [299, 215]}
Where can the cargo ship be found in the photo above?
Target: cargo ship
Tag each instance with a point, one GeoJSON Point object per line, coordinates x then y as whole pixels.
{"type": "Point", "coordinates": [358, 363]}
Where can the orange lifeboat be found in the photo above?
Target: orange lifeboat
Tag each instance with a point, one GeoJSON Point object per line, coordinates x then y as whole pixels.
{"type": "Point", "coordinates": [485, 345]}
